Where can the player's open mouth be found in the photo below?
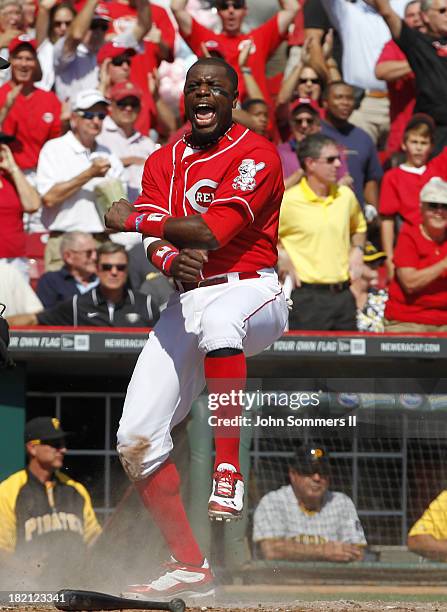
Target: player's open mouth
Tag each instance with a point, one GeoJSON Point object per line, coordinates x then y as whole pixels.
{"type": "Point", "coordinates": [205, 114]}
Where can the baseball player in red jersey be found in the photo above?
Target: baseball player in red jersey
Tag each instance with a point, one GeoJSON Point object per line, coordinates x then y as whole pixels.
{"type": "Point", "coordinates": [209, 211]}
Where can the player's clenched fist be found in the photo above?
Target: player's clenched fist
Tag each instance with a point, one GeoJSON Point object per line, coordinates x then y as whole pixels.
{"type": "Point", "coordinates": [188, 264]}
{"type": "Point", "coordinates": [115, 218]}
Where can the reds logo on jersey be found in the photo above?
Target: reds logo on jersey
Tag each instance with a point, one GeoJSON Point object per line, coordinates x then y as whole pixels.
{"type": "Point", "coordinates": [201, 194]}
{"type": "Point", "coordinates": [245, 181]}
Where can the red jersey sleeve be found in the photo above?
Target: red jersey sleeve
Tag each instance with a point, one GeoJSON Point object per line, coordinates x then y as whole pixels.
{"type": "Point", "coordinates": [253, 185]}
{"type": "Point", "coordinates": [155, 185]}
{"type": "Point", "coordinates": [406, 253]}
{"type": "Point", "coordinates": [389, 203]}
{"type": "Point", "coordinates": [199, 34]}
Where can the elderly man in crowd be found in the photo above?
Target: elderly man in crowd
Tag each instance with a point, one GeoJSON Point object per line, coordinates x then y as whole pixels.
{"type": "Point", "coordinates": [69, 169]}
{"type": "Point", "coordinates": [427, 57]}
{"type": "Point", "coordinates": [77, 275]}
{"type": "Point", "coordinates": [110, 304]}
{"type": "Point", "coordinates": [418, 293]}
{"type": "Point", "coordinates": [322, 231]}
{"type": "Point", "coordinates": [305, 520]}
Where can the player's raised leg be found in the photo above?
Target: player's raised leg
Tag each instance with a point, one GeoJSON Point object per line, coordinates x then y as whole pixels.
{"type": "Point", "coordinates": [248, 316]}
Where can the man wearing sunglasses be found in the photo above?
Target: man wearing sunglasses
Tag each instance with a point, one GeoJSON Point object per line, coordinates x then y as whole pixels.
{"type": "Point", "coordinates": [75, 54]}
{"type": "Point", "coordinates": [120, 136]}
{"type": "Point", "coordinates": [77, 275]}
{"type": "Point", "coordinates": [322, 231]}
{"type": "Point", "coordinates": [264, 39]}
{"type": "Point", "coordinates": [46, 515]}
{"type": "Point", "coordinates": [110, 304]}
{"type": "Point", "coordinates": [69, 169]}
{"type": "Point", "coordinates": [427, 55]}
{"type": "Point", "coordinates": [305, 520]}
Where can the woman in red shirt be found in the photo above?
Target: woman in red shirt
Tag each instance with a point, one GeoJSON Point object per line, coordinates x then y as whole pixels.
{"type": "Point", "coordinates": [418, 294]}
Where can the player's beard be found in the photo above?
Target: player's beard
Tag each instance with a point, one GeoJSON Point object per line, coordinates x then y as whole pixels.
{"type": "Point", "coordinates": [202, 138]}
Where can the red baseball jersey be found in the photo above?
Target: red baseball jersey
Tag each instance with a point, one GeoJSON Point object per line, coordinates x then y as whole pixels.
{"type": "Point", "coordinates": [243, 173]}
{"type": "Point", "coordinates": [264, 41]}
{"type": "Point", "coordinates": [33, 119]}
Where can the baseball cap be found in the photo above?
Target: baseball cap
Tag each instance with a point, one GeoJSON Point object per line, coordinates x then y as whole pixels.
{"type": "Point", "coordinates": [434, 191]}
{"type": "Point", "coordinates": [303, 103]}
{"type": "Point", "coordinates": [88, 98]}
{"type": "Point", "coordinates": [418, 118]}
{"type": "Point", "coordinates": [310, 458]}
{"type": "Point", "coordinates": [24, 40]}
{"type": "Point", "coordinates": [101, 12]}
{"type": "Point", "coordinates": [111, 50]}
{"type": "Point", "coordinates": [44, 428]}
{"type": "Point", "coordinates": [4, 64]}
{"type": "Point", "coordinates": [125, 89]}
{"type": "Point", "coordinates": [372, 254]}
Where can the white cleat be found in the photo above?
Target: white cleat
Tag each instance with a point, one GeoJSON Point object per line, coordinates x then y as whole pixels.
{"type": "Point", "coordinates": [179, 580]}
{"type": "Point", "coordinates": [227, 497]}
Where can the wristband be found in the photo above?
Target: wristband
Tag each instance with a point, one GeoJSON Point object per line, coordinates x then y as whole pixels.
{"type": "Point", "coordinates": [163, 258]}
{"type": "Point", "coordinates": [151, 224]}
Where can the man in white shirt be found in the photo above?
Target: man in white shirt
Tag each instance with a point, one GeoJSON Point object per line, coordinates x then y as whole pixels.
{"type": "Point", "coordinates": [363, 34]}
{"type": "Point", "coordinates": [69, 169]}
{"type": "Point", "coordinates": [119, 135]}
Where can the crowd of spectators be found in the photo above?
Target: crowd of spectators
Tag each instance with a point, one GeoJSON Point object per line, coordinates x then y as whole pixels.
{"type": "Point", "coordinates": [351, 92]}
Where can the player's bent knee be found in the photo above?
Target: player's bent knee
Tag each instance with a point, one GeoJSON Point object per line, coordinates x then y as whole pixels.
{"type": "Point", "coordinates": [134, 457]}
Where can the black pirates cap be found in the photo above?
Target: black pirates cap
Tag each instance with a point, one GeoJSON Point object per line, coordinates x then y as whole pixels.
{"type": "Point", "coordinates": [310, 458]}
{"type": "Point", "coordinates": [44, 428]}
{"type": "Point", "coordinates": [4, 64]}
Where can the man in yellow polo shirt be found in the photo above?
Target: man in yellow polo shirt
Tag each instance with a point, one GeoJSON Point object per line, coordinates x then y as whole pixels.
{"type": "Point", "coordinates": [322, 232]}
{"type": "Point", "coordinates": [428, 536]}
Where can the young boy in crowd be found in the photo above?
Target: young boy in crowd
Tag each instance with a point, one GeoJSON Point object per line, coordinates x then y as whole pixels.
{"type": "Point", "coordinates": [399, 196]}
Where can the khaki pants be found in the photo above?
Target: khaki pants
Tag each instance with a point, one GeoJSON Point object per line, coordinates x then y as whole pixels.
{"type": "Point", "coordinates": [405, 327]}
{"type": "Point", "coordinates": [373, 116]}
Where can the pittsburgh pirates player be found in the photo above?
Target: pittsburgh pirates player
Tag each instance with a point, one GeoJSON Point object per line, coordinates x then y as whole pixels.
{"type": "Point", "coordinates": [209, 208]}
